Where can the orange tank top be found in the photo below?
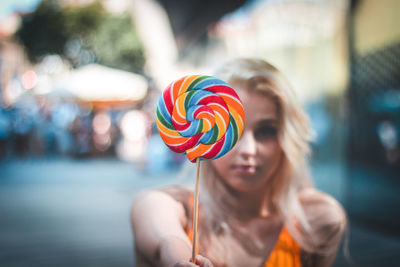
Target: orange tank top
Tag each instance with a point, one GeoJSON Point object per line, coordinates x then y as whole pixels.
{"type": "Point", "coordinates": [286, 252]}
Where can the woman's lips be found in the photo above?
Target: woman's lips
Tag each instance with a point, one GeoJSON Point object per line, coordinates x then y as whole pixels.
{"type": "Point", "coordinates": [244, 169]}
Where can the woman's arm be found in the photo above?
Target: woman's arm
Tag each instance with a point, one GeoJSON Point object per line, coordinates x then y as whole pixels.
{"type": "Point", "coordinates": [158, 223]}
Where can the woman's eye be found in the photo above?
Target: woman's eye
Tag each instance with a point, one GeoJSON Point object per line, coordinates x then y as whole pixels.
{"type": "Point", "coordinates": [265, 132]}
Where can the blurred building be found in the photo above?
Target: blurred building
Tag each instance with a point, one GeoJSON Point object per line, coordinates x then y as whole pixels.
{"type": "Point", "coordinates": [375, 84]}
{"type": "Point", "coordinates": [374, 112]}
{"type": "Point", "coordinates": [307, 40]}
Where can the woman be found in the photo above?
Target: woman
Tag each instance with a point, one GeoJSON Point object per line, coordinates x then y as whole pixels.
{"type": "Point", "coordinates": [257, 203]}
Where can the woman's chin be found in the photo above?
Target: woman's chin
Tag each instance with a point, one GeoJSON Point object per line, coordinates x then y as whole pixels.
{"type": "Point", "coordinates": [245, 184]}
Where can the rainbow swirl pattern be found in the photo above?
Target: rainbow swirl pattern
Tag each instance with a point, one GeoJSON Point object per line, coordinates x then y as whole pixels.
{"type": "Point", "coordinates": [201, 116]}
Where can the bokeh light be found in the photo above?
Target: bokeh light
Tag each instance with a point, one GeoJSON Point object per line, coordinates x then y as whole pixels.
{"type": "Point", "coordinates": [29, 79]}
{"type": "Point", "coordinates": [133, 125]}
{"type": "Point", "coordinates": [101, 123]}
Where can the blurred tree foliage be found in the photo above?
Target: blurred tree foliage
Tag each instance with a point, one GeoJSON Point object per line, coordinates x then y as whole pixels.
{"type": "Point", "coordinates": [81, 34]}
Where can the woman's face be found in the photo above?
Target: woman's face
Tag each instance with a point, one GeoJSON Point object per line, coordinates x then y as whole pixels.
{"type": "Point", "coordinates": [255, 158]}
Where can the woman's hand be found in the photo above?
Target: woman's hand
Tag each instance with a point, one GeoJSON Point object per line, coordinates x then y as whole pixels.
{"type": "Point", "coordinates": [200, 261]}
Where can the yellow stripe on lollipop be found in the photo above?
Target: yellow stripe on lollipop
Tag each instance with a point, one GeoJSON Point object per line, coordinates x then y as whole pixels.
{"type": "Point", "coordinates": [236, 118]}
{"type": "Point", "coordinates": [208, 121]}
{"type": "Point", "coordinates": [186, 83]}
{"type": "Point", "coordinates": [221, 118]}
{"type": "Point", "coordinates": [179, 112]}
{"type": "Point", "coordinates": [176, 86]}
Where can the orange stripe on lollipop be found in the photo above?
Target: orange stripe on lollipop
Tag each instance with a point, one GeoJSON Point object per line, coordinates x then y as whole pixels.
{"type": "Point", "coordinates": [236, 116]}
{"type": "Point", "coordinates": [167, 131]}
{"type": "Point", "coordinates": [234, 103]}
{"type": "Point", "coordinates": [175, 89]}
{"type": "Point", "coordinates": [173, 141]}
{"type": "Point", "coordinates": [209, 120]}
{"type": "Point", "coordinates": [197, 151]}
{"type": "Point", "coordinates": [221, 118]}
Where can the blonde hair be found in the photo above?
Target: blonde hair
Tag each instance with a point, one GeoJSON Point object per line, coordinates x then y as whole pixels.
{"type": "Point", "coordinates": [294, 136]}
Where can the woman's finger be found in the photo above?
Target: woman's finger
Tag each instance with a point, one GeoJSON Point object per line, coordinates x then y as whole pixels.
{"type": "Point", "coordinates": [203, 261]}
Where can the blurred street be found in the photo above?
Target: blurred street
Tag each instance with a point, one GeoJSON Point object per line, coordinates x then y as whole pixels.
{"type": "Point", "coordinates": [64, 212]}
{"type": "Point", "coordinates": [68, 213]}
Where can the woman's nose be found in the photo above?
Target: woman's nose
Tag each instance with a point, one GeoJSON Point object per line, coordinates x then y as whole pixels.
{"type": "Point", "coordinates": [247, 145]}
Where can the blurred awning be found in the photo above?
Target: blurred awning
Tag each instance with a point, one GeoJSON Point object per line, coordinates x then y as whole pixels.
{"type": "Point", "coordinates": [102, 85]}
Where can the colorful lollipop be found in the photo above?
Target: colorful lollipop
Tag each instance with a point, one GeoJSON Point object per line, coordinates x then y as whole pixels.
{"type": "Point", "coordinates": [201, 116]}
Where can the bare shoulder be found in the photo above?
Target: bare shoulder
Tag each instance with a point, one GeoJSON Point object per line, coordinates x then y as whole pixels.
{"type": "Point", "coordinates": [327, 221]}
{"type": "Point", "coordinates": [180, 194]}
{"type": "Point", "coordinates": [325, 215]}
{"type": "Point", "coordinates": [172, 199]}
{"type": "Point", "coordinates": [317, 203]}
{"type": "Point", "coordinates": [170, 194]}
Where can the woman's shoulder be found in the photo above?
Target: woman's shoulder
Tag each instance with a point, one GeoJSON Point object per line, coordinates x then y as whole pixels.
{"type": "Point", "coordinates": [171, 198]}
{"type": "Point", "coordinates": [178, 193]}
{"type": "Point", "coordinates": [324, 213]}
{"type": "Point", "coordinates": [315, 201]}
{"type": "Point", "coordinates": [317, 204]}
{"type": "Point", "coordinates": [169, 193]}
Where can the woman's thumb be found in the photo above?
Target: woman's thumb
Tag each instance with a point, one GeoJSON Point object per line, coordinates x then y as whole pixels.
{"type": "Point", "coordinates": [203, 261]}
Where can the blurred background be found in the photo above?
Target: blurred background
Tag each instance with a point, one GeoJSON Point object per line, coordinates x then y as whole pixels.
{"type": "Point", "coordinates": [79, 81]}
